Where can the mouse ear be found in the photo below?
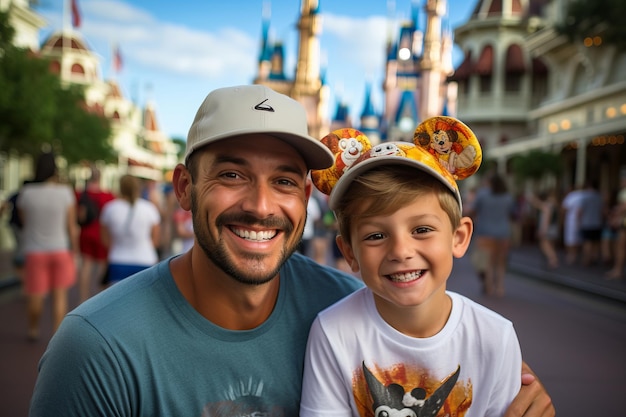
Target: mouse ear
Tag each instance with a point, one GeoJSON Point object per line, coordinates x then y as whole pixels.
{"type": "Point", "coordinates": [347, 145]}
{"type": "Point", "coordinates": [464, 156]}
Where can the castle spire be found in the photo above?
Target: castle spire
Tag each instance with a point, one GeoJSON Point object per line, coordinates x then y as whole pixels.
{"type": "Point", "coordinates": [308, 67]}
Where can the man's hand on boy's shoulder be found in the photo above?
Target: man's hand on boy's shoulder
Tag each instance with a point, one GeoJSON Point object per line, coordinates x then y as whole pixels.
{"type": "Point", "coordinates": [533, 399]}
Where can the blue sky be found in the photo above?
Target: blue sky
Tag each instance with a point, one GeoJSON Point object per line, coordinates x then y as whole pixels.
{"type": "Point", "coordinates": [175, 52]}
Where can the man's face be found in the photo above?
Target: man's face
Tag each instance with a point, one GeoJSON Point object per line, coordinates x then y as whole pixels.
{"type": "Point", "coordinates": [249, 205]}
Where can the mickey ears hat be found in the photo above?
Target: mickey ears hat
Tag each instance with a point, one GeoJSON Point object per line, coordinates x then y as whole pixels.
{"type": "Point", "coordinates": [442, 146]}
{"type": "Point", "coordinates": [255, 109]}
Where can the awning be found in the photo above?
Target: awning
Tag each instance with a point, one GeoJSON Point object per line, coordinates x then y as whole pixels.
{"type": "Point", "coordinates": [539, 68]}
{"type": "Point", "coordinates": [484, 66]}
{"type": "Point", "coordinates": [464, 70]}
{"type": "Point", "coordinates": [514, 60]}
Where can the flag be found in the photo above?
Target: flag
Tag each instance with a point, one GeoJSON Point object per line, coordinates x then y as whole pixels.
{"type": "Point", "coordinates": [75, 14]}
{"type": "Point", "coordinates": [117, 59]}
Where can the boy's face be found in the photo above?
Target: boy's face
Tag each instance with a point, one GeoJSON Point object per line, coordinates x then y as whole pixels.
{"type": "Point", "coordinates": [407, 256]}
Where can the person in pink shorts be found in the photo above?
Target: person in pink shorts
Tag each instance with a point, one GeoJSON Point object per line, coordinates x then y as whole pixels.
{"type": "Point", "coordinates": [47, 209]}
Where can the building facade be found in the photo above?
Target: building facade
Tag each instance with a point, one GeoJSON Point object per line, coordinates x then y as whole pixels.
{"type": "Point", "coordinates": [522, 86]}
{"type": "Point", "coordinates": [143, 149]}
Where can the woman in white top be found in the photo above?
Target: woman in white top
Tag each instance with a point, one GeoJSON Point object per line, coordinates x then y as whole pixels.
{"type": "Point", "coordinates": [130, 227]}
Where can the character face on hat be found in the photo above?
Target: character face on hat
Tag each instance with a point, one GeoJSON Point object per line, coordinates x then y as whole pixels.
{"type": "Point", "coordinates": [347, 145]}
{"type": "Point", "coordinates": [442, 146]}
{"type": "Point", "coordinates": [452, 143]}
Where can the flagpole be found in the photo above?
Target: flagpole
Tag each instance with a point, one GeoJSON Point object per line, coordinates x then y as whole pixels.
{"type": "Point", "coordinates": [65, 15]}
{"type": "Point", "coordinates": [65, 34]}
{"type": "Point", "coordinates": [113, 70]}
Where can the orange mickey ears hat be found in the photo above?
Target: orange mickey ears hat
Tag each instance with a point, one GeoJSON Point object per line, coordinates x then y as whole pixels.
{"type": "Point", "coordinates": [442, 146]}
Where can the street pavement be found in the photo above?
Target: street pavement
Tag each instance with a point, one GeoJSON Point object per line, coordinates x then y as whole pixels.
{"type": "Point", "coordinates": [548, 307]}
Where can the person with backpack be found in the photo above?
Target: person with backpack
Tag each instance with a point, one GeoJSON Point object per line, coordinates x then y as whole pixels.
{"type": "Point", "coordinates": [93, 253]}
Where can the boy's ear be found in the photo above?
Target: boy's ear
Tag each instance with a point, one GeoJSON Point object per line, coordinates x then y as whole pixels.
{"type": "Point", "coordinates": [462, 237]}
{"type": "Point", "coordinates": [348, 254]}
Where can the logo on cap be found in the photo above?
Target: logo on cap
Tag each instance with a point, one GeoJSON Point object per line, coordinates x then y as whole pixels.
{"type": "Point", "coordinates": [264, 107]}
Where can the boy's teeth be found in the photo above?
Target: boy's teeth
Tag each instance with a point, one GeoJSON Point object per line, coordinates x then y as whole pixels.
{"type": "Point", "coordinates": [410, 276]}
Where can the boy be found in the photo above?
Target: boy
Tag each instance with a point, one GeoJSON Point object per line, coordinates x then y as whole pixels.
{"type": "Point", "coordinates": [404, 345]}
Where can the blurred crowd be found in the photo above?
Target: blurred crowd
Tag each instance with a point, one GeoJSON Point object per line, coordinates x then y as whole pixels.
{"type": "Point", "coordinates": [584, 225]}
{"type": "Point", "coordinates": [94, 238]}
{"type": "Point", "coordinates": [89, 237]}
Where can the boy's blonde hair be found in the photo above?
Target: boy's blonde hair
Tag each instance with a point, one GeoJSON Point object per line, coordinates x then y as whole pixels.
{"type": "Point", "coordinates": [385, 189]}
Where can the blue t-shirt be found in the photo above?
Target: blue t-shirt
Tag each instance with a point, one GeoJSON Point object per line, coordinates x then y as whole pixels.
{"type": "Point", "coordinates": [140, 349]}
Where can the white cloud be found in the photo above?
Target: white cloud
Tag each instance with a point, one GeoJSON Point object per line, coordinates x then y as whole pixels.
{"type": "Point", "coordinates": [147, 42]}
{"type": "Point", "coordinates": [116, 11]}
{"type": "Point", "coordinates": [360, 41]}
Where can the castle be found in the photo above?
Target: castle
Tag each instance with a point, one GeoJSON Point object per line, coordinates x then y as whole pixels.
{"type": "Point", "coordinates": [418, 63]}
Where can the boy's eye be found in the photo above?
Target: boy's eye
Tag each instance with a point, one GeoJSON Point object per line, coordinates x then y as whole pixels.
{"type": "Point", "coordinates": [374, 236]}
{"type": "Point", "coordinates": [422, 229]}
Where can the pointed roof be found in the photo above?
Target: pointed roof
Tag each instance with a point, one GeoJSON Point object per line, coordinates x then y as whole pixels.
{"type": "Point", "coordinates": [277, 70]}
{"type": "Point", "coordinates": [149, 119]}
{"type": "Point", "coordinates": [407, 107]}
{"type": "Point", "coordinates": [368, 106]}
{"type": "Point", "coordinates": [342, 112]}
{"type": "Point", "coordinates": [114, 90]}
{"type": "Point", "coordinates": [415, 15]}
{"type": "Point", "coordinates": [266, 50]}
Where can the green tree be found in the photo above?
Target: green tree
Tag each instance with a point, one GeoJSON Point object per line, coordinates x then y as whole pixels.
{"type": "Point", "coordinates": [35, 109]}
{"type": "Point", "coordinates": [182, 146]}
{"type": "Point", "coordinates": [535, 165]}
{"type": "Point", "coordinates": [589, 18]}
{"type": "Point", "coordinates": [80, 134]}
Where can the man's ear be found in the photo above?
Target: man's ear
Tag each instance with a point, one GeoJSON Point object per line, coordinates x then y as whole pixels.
{"type": "Point", "coordinates": [308, 187]}
{"type": "Point", "coordinates": [348, 253]}
{"type": "Point", "coordinates": [462, 237]}
{"type": "Point", "coordinates": [181, 181]}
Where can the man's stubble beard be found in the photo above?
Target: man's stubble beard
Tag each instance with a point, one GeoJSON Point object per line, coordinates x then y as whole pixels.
{"type": "Point", "coordinates": [216, 250]}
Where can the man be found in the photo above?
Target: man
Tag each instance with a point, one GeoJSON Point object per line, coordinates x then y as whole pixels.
{"type": "Point", "coordinates": [220, 330]}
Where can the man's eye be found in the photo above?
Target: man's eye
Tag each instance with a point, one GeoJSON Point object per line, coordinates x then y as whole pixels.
{"type": "Point", "coordinates": [229, 175]}
{"type": "Point", "coordinates": [286, 182]}
{"type": "Point", "coordinates": [422, 229]}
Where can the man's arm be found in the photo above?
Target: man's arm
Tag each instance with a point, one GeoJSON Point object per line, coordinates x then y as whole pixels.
{"type": "Point", "coordinates": [533, 399]}
{"type": "Point", "coordinates": [79, 376]}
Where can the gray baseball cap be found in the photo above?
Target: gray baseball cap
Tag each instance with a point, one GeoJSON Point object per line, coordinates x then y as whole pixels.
{"type": "Point", "coordinates": [253, 109]}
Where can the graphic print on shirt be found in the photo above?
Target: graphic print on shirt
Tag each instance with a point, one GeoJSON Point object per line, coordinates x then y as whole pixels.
{"type": "Point", "coordinates": [245, 400]}
{"type": "Point", "coordinates": [401, 391]}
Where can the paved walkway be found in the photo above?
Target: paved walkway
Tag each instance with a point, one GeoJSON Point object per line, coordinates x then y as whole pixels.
{"type": "Point", "coordinates": [528, 261]}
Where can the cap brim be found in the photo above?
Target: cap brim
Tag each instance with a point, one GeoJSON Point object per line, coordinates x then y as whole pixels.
{"type": "Point", "coordinates": [346, 179]}
{"type": "Point", "coordinates": [314, 153]}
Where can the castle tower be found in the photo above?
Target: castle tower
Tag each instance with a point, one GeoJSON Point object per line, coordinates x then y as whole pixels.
{"type": "Point", "coordinates": [307, 86]}
{"type": "Point", "coordinates": [418, 64]}
{"type": "Point", "coordinates": [432, 63]}
{"type": "Point", "coordinates": [402, 82]}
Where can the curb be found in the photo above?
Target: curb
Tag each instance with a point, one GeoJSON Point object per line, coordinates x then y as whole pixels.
{"type": "Point", "coordinates": [561, 279]}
